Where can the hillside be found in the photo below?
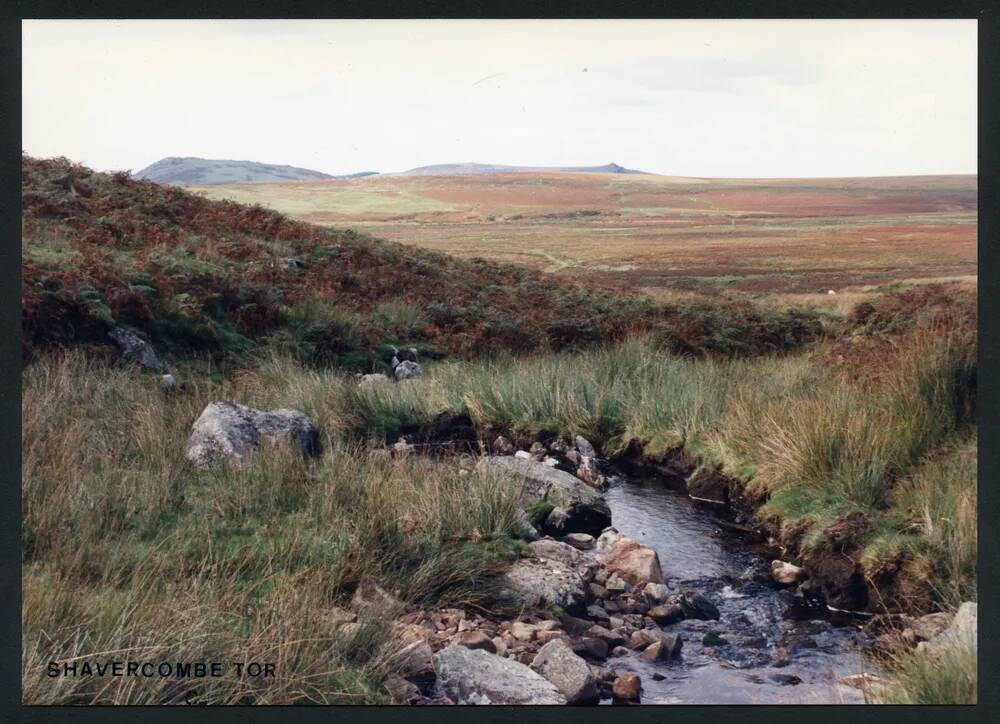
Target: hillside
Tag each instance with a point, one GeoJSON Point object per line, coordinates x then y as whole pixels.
{"type": "Point", "coordinates": [448, 169]}
{"type": "Point", "coordinates": [207, 276]}
{"type": "Point", "coordinates": [189, 170]}
{"type": "Point", "coordinates": [664, 235]}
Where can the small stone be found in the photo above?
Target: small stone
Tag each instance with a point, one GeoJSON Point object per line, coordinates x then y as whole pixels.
{"type": "Point", "coordinates": [590, 647]}
{"type": "Point", "coordinates": [523, 455]}
{"type": "Point", "coordinates": [616, 584]}
{"type": "Point", "coordinates": [612, 638]}
{"type": "Point", "coordinates": [597, 591]}
{"type": "Point", "coordinates": [627, 688]}
{"type": "Point", "coordinates": [543, 637]}
{"type": "Point", "coordinates": [580, 541]}
{"type": "Point", "coordinates": [503, 446]}
{"type": "Point", "coordinates": [697, 606]}
{"type": "Point", "coordinates": [653, 652]}
{"type": "Point", "coordinates": [476, 640]}
{"type": "Point", "coordinates": [618, 651]}
{"type": "Point", "coordinates": [657, 676]}
{"type": "Point", "coordinates": [597, 612]}
{"type": "Point", "coordinates": [666, 615]}
{"type": "Point", "coordinates": [656, 593]}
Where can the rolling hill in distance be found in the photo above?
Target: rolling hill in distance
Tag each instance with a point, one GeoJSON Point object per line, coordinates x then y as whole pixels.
{"type": "Point", "coordinates": [455, 169]}
{"type": "Point", "coordinates": [190, 170]}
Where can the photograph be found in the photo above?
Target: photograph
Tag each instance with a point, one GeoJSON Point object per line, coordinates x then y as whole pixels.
{"type": "Point", "coordinates": [533, 362]}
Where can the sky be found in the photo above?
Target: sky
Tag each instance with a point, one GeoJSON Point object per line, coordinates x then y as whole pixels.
{"type": "Point", "coordinates": [734, 98]}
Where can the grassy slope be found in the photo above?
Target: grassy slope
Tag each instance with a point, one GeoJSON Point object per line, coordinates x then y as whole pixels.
{"type": "Point", "coordinates": [205, 276]}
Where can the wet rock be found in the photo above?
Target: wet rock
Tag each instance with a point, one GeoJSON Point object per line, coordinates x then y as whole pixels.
{"type": "Point", "coordinates": [473, 676]}
{"type": "Point", "coordinates": [656, 593]}
{"type": "Point", "coordinates": [657, 676]}
{"type": "Point", "coordinates": [136, 347]}
{"type": "Point", "coordinates": [401, 692]}
{"type": "Point", "coordinates": [407, 370]}
{"type": "Point", "coordinates": [697, 606]}
{"type": "Point", "coordinates": [226, 431]}
{"type": "Point", "coordinates": [586, 510]}
{"type": "Point", "coordinates": [543, 584]}
{"type": "Point", "coordinates": [654, 652]}
{"type": "Point", "coordinates": [666, 615]}
{"type": "Point", "coordinates": [584, 447]}
{"type": "Point", "coordinates": [476, 640]}
{"type": "Point", "coordinates": [635, 563]}
{"type": "Point", "coordinates": [580, 541]}
{"type": "Point", "coordinates": [712, 638]}
{"type": "Point", "coordinates": [787, 574]}
{"type": "Point", "coordinates": [627, 689]}
{"type": "Point", "coordinates": [569, 673]}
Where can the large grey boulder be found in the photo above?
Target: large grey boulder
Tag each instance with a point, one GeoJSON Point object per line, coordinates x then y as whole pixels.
{"type": "Point", "coordinates": [226, 431]}
{"type": "Point", "coordinates": [474, 676]}
{"type": "Point", "coordinates": [569, 673]}
{"type": "Point", "coordinates": [134, 346]}
{"type": "Point", "coordinates": [545, 583]}
{"type": "Point", "coordinates": [586, 510]}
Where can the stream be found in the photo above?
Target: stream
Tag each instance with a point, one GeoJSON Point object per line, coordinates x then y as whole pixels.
{"type": "Point", "coordinates": [698, 554]}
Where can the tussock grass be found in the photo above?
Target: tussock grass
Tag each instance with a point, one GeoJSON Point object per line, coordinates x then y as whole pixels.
{"type": "Point", "coordinates": [949, 677]}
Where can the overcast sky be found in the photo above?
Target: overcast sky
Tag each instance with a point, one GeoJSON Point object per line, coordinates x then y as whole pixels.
{"type": "Point", "coordinates": [681, 97]}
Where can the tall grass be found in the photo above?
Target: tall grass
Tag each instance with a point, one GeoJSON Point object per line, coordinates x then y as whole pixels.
{"type": "Point", "coordinates": [131, 554]}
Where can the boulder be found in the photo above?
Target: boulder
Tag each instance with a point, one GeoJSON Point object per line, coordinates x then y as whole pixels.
{"type": "Point", "coordinates": [960, 633]}
{"type": "Point", "coordinates": [137, 348]}
{"type": "Point", "coordinates": [627, 688]}
{"type": "Point", "coordinates": [543, 584]}
{"type": "Point", "coordinates": [586, 510]}
{"type": "Point", "coordinates": [407, 370]}
{"type": "Point", "coordinates": [569, 673]}
{"type": "Point", "coordinates": [556, 551]}
{"type": "Point", "coordinates": [415, 662]}
{"type": "Point", "coordinates": [473, 676]}
{"type": "Point", "coordinates": [635, 563]}
{"type": "Point", "coordinates": [227, 431]}
{"type": "Point", "coordinates": [787, 574]}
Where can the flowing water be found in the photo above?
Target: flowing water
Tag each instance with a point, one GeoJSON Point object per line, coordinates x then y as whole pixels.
{"type": "Point", "coordinates": [698, 554]}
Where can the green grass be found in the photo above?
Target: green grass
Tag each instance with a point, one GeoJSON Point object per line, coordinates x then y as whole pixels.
{"type": "Point", "coordinates": [950, 677]}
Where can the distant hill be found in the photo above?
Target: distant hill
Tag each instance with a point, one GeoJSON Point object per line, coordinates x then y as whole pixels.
{"type": "Point", "coordinates": [450, 169]}
{"type": "Point", "coordinates": [190, 170]}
